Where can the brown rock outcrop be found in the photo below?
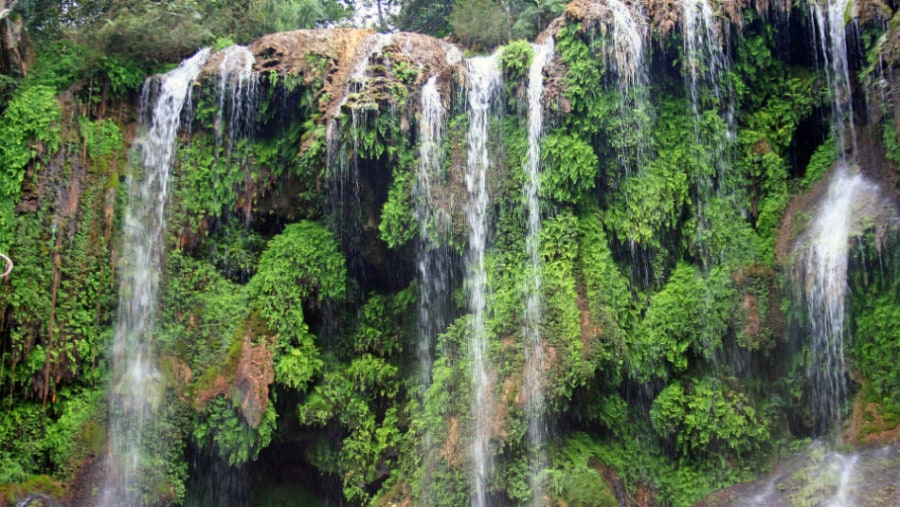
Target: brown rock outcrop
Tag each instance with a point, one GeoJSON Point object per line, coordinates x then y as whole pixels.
{"type": "Point", "coordinates": [16, 51]}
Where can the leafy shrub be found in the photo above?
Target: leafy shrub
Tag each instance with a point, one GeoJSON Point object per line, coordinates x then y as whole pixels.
{"type": "Point", "coordinates": [398, 224]}
{"type": "Point", "coordinates": [705, 417]}
{"type": "Point", "coordinates": [683, 317]}
{"type": "Point", "coordinates": [101, 137]}
{"type": "Point", "coordinates": [577, 482]}
{"type": "Point", "coordinates": [480, 24]}
{"type": "Point", "coordinates": [29, 127]}
{"type": "Point", "coordinates": [570, 167]}
{"type": "Point", "coordinates": [516, 58]}
{"type": "Point", "coordinates": [222, 427]}
{"type": "Point", "coordinates": [820, 163]}
{"type": "Point", "coordinates": [876, 346]}
{"type": "Point", "coordinates": [300, 265]}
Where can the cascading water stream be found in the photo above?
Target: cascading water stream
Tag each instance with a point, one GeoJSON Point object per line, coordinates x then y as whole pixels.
{"type": "Point", "coordinates": [134, 386]}
{"type": "Point", "coordinates": [705, 66]}
{"type": "Point", "coordinates": [625, 51]}
{"type": "Point", "coordinates": [851, 202]}
{"type": "Point", "coordinates": [704, 59]}
{"type": "Point", "coordinates": [534, 350]}
{"type": "Point", "coordinates": [432, 252]}
{"type": "Point", "coordinates": [342, 162]}
{"type": "Point", "coordinates": [484, 82]}
{"type": "Point", "coordinates": [238, 97]}
{"type": "Point", "coordinates": [434, 226]}
{"type": "Point", "coordinates": [626, 56]}
{"type": "Point", "coordinates": [831, 25]}
{"type": "Point", "coordinates": [850, 198]}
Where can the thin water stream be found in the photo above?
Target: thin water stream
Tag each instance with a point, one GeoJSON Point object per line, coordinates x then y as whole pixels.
{"type": "Point", "coordinates": [534, 349]}
{"type": "Point", "coordinates": [135, 382]}
{"type": "Point", "coordinates": [484, 83]}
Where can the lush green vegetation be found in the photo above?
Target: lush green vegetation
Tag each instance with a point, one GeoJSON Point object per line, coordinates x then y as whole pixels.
{"type": "Point", "coordinates": [289, 314]}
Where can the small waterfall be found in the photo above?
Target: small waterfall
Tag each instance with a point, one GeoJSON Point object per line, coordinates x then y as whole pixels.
{"type": "Point", "coordinates": [851, 203]}
{"type": "Point", "coordinates": [831, 25]}
{"type": "Point", "coordinates": [134, 386]}
{"type": "Point", "coordinates": [238, 97]}
{"type": "Point", "coordinates": [337, 157]}
{"type": "Point", "coordinates": [345, 207]}
{"type": "Point", "coordinates": [626, 55]}
{"type": "Point", "coordinates": [534, 351]}
{"type": "Point", "coordinates": [434, 226]}
{"type": "Point", "coordinates": [704, 60]}
{"type": "Point", "coordinates": [818, 476]}
{"type": "Point", "coordinates": [433, 257]}
{"type": "Point", "coordinates": [845, 467]}
{"type": "Point", "coordinates": [484, 82]}
{"type": "Point", "coordinates": [705, 65]}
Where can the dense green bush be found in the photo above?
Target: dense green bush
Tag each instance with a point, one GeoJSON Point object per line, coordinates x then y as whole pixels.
{"type": "Point", "coordinates": [29, 131]}
{"type": "Point", "coordinates": [705, 417]}
{"type": "Point", "coordinates": [480, 24]}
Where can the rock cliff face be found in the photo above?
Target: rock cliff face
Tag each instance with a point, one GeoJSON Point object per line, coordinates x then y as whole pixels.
{"type": "Point", "coordinates": [315, 318]}
{"type": "Point", "coordinates": [16, 51]}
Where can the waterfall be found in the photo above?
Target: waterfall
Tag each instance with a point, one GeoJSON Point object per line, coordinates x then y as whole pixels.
{"type": "Point", "coordinates": [626, 56]}
{"type": "Point", "coordinates": [831, 21]}
{"type": "Point", "coordinates": [342, 163]}
{"type": "Point", "coordinates": [135, 383]}
{"type": "Point", "coordinates": [484, 82]}
{"type": "Point", "coordinates": [238, 97]}
{"type": "Point", "coordinates": [432, 249]}
{"type": "Point", "coordinates": [850, 204]}
{"type": "Point", "coordinates": [432, 259]}
{"type": "Point", "coordinates": [534, 351]}
{"type": "Point", "coordinates": [850, 198]}
{"type": "Point", "coordinates": [704, 60]}
{"type": "Point", "coordinates": [704, 67]}
{"type": "Point", "coordinates": [845, 467]}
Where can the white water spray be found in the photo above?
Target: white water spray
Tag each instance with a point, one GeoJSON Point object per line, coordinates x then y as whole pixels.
{"type": "Point", "coordinates": [704, 60]}
{"type": "Point", "coordinates": [484, 82]}
{"type": "Point", "coordinates": [238, 97]}
{"type": "Point", "coordinates": [134, 386]}
{"type": "Point", "coordinates": [626, 55]}
{"type": "Point", "coordinates": [534, 351]}
{"type": "Point", "coordinates": [434, 228]}
{"type": "Point", "coordinates": [851, 204]}
{"type": "Point", "coordinates": [831, 25]}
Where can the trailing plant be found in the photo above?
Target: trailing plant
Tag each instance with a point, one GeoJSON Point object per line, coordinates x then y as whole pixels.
{"type": "Point", "coordinates": [301, 266]}
{"type": "Point", "coordinates": [222, 427]}
{"type": "Point", "coordinates": [706, 417]}
{"type": "Point", "coordinates": [570, 167]}
{"type": "Point", "coordinates": [516, 58]}
{"type": "Point", "coordinates": [29, 131]}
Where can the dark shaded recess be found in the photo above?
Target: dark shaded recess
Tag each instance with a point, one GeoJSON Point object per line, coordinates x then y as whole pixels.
{"type": "Point", "coordinates": [856, 58]}
{"type": "Point", "coordinates": [212, 482]}
{"type": "Point", "coordinates": [811, 132]}
{"type": "Point", "coordinates": [282, 477]}
{"type": "Point", "coordinates": [282, 204]}
{"type": "Point", "coordinates": [794, 38]}
{"type": "Point", "coordinates": [283, 467]}
{"type": "Point", "coordinates": [384, 271]}
{"type": "Point", "coordinates": [662, 72]}
{"type": "Point", "coordinates": [270, 224]}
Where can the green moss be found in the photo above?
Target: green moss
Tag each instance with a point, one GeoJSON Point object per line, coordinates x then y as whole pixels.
{"type": "Point", "coordinates": [41, 484]}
